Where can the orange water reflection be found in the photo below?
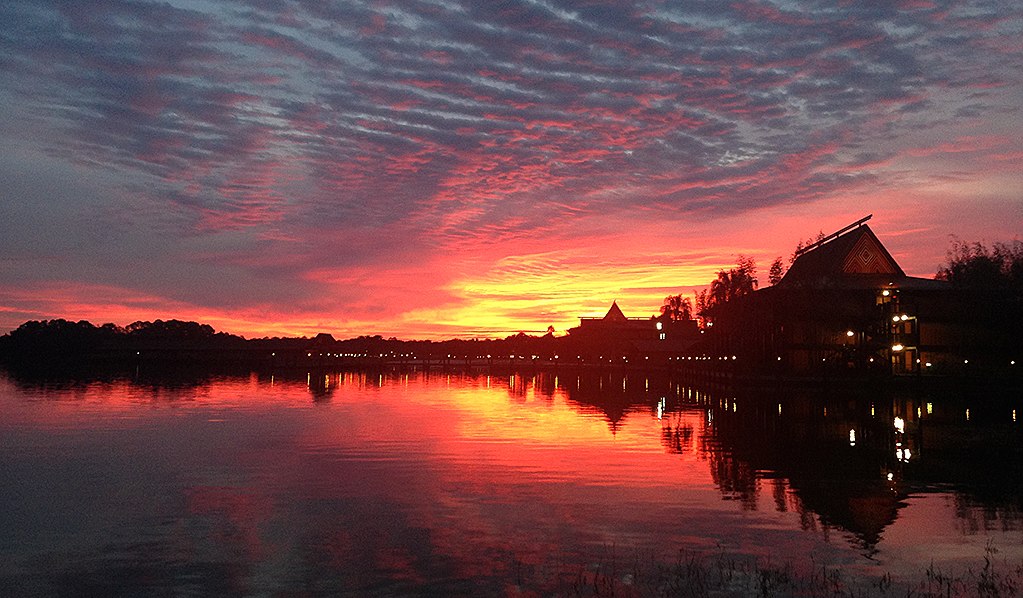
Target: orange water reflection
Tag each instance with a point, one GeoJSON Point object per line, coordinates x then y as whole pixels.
{"type": "Point", "coordinates": [398, 479]}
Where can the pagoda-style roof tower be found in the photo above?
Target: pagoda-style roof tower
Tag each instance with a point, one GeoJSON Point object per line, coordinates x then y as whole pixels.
{"type": "Point", "coordinates": [614, 314]}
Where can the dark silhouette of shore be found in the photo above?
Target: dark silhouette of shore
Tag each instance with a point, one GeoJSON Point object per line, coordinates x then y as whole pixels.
{"type": "Point", "coordinates": [59, 343]}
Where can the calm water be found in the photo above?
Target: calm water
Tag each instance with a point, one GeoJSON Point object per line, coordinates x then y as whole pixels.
{"type": "Point", "coordinates": [402, 483]}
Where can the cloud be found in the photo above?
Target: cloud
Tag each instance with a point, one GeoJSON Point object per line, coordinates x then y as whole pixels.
{"type": "Point", "coordinates": [284, 140]}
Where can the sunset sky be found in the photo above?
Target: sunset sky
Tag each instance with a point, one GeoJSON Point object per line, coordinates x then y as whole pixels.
{"type": "Point", "coordinates": [440, 168]}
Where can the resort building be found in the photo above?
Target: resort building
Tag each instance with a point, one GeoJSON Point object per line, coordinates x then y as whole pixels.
{"type": "Point", "coordinates": [844, 304]}
{"type": "Point", "coordinates": [617, 336]}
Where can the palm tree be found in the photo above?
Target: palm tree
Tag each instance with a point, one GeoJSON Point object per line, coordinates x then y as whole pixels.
{"type": "Point", "coordinates": [677, 307]}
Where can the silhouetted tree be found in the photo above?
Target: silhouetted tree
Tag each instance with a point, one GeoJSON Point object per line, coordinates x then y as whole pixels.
{"type": "Point", "coordinates": [991, 281]}
{"type": "Point", "coordinates": [677, 307]}
{"type": "Point", "coordinates": [59, 339]}
{"type": "Point", "coordinates": [776, 272]}
{"type": "Point", "coordinates": [804, 244]}
{"type": "Point", "coordinates": [734, 282]}
{"type": "Point", "coordinates": [974, 265]}
{"type": "Point", "coordinates": [170, 330]}
{"type": "Point", "coordinates": [730, 284]}
{"type": "Point", "coordinates": [702, 302]}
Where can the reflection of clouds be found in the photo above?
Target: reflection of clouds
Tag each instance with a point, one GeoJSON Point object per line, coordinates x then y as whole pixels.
{"type": "Point", "coordinates": [446, 479]}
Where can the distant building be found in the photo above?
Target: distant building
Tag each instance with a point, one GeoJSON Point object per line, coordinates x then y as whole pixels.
{"type": "Point", "coordinates": [844, 304]}
{"type": "Point", "coordinates": [617, 336]}
{"type": "Point", "coordinates": [616, 325]}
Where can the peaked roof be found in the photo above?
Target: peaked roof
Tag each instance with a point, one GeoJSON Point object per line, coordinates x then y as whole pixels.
{"type": "Point", "coordinates": [854, 253]}
{"type": "Point", "coordinates": [322, 340]}
{"type": "Point", "coordinates": [615, 314]}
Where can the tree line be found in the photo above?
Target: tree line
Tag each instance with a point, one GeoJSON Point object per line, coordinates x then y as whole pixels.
{"type": "Point", "coordinates": [60, 340]}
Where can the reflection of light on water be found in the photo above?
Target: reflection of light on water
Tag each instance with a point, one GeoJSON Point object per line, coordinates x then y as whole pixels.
{"type": "Point", "coordinates": [871, 411]}
{"type": "Point", "coordinates": [852, 437]}
{"type": "Point", "coordinates": [930, 408]}
{"type": "Point", "coordinates": [900, 425]}
{"type": "Point", "coordinates": [1013, 415]}
{"type": "Point", "coordinates": [967, 415]}
{"type": "Point", "coordinates": [479, 446]}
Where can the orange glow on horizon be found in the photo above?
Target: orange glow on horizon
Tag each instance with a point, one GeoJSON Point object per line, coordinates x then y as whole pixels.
{"type": "Point", "coordinates": [493, 290]}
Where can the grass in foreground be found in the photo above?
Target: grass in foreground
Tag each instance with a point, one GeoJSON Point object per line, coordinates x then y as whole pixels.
{"type": "Point", "coordinates": [694, 574]}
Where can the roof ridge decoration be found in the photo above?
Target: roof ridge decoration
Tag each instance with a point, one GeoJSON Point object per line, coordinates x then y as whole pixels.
{"type": "Point", "coordinates": [869, 256]}
{"type": "Point", "coordinates": [834, 235]}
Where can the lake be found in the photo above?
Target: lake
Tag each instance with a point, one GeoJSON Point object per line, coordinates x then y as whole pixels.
{"type": "Point", "coordinates": [405, 482]}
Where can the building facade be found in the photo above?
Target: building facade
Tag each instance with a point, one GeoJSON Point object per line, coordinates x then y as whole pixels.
{"type": "Point", "coordinates": [845, 304]}
{"type": "Point", "coordinates": [616, 336]}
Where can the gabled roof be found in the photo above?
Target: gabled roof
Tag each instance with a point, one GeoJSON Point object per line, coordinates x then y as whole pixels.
{"type": "Point", "coordinates": [852, 254]}
{"type": "Point", "coordinates": [615, 314]}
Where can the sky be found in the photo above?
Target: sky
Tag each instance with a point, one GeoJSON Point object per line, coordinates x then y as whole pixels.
{"type": "Point", "coordinates": [442, 168]}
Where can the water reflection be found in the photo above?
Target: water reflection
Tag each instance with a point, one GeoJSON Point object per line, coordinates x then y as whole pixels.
{"type": "Point", "coordinates": [841, 459]}
{"type": "Point", "coordinates": [394, 480]}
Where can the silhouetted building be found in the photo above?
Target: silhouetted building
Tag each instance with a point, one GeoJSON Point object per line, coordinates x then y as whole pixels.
{"type": "Point", "coordinates": [844, 304]}
{"type": "Point", "coordinates": [616, 335]}
{"type": "Point", "coordinates": [321, 350]}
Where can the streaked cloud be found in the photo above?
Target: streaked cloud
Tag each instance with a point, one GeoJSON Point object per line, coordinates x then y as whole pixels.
{"type": "Point", "coordinates": [393, 166]}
